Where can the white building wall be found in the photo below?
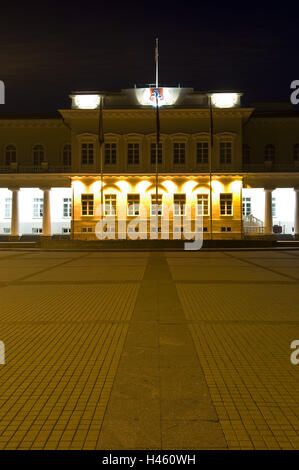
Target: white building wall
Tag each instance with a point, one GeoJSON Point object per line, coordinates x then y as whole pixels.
{"type": "Point", "coordinates": [27, 220]}
{"type": "Point", "coordinates": [285, 206]}
{"type": "Point", "coordinates": [285, 209]}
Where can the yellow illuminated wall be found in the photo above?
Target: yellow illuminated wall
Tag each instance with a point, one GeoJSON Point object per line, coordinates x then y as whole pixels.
{"type": "Point", "coordinates": [168, 186]}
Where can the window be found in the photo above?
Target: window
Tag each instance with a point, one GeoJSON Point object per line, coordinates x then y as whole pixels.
{"type": "Point", "coordinates": [7, 209]}
{"type": "Point", "coordinates": [6, 230]}
{"type": "Point", "coordinates": [110, 204]}
{"type": "Point", "coordinates": [38, 154]}
{"type": "Point", "coordinates": [273, 207]}
{"type": "Point", "coordinates": [202, 152]}
{"type": "Point", "coordinates": [296, 153]}
{"type": "Point", "coordinates": [38, 207]}
{"type": "Point", "coordinates": [133, 204]}
{"type": "Point", "coordinates": [269, 153]}
{"type": "Point", "coordinates": [156, 204]}
{"type": "Point", "coordinates": [179, 153]}
{"type": "Point", "coordinates": [67, 207]}
{"type": "Point", "coordinates": [110, 154]}
{"type": "Point", "coordinates": [87, 204]}
{"type": "Point", "coordinates": [226, 204]}
{"type": "Point", "coordinates": [133, 154]}
{"type": "Point", "coordinates": [202, 204]}
{"type": "Point", "coordinates": [36, 231]}
{"type": "Point", "coordinates": [246, 154]}
{"type": "Point", "coordinates": [179, 201]}
{"type": "Point", "coordinates": [86, 229]}
{"type": "Point", "coordinates": [66, 230]}
{"type": "Point", "coordinates": [10, 154]}
{"type": "Point", "coordinates": [225, 152]}
{"type": "Point", "coordinates": [246, 206]}
{"type": "Point", "coordinates": [67, 155]}
{"type": "Point", "coordinates": [153, 153]}
{"type": "Point", "coordinates": [87, 153]}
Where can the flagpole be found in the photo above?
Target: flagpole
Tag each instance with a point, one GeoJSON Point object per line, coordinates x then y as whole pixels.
{"type": "Point", "coordinates": [157, 156]}
{"type": "Point", "coordinates": [210, 165]}
{"type": "Point", "coordinates": [102, 179]}
{"type": "Point", "coordinates": [157, 62]}
{"type": "Point", "coordinates": [101, 142]}
{"type": "Point", "coordinates": [157, 133]}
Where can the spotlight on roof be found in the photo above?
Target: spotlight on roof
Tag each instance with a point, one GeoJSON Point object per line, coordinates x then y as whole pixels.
{"type": "Point", "coordinates": [85, 100]}
{"type": "Point", "coordinates": [225, 100]}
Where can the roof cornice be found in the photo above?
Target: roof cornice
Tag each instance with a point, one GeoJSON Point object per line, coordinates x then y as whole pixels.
{"type": "Point", "coordinates": [150, 113]}
{"type": "Point", "coordinates": [31, 123]}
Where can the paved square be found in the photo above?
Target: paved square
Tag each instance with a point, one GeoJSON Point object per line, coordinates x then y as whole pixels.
{"type": "Point", "coordinates": [132, 350]}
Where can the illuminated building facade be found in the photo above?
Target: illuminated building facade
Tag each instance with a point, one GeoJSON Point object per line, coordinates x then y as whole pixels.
{"type": "Point", "coordinates": [236, 167]}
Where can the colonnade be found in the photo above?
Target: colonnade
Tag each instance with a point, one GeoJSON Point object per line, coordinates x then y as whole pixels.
{"type": "Point", "coordinates": [46, 230]}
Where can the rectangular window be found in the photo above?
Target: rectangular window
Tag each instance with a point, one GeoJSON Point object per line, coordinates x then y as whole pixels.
{"type": "Point", "coordinates": [87, 204]}
{"type": "Point", "coordinates": [110, 154]}
{"type": "Point", "coordinates": [36, 231]}
{"type": "Point", "coordinates": [202, 204]}
{"type": "Point", "coordinates": [202, 152]}
{"type": "Point", "coordinates": [179, 153]}
{"type": "Point", "coordinates": [87, 154]}
{"type": "Point", "coordinates": [133, 204]}
{"type": "Point", "coordinates": [110, 204]}
{"type": "Point", "coordinates": [7, 209]}
{"type": "Point", "coordinates": [86, 229]}
{"type": "Point", "coordinates": [133, 154]}
{"type": "Point", "coordinates": [225, 152]}
{"type": "Point", "coordinates": [179, 201]}
{"type": "Point", "coordinates": [153, 153]}
{"type": "Point", "coordinates": [6, 230]}
{"type": "Point", "coordinates": [67, 207]}
{"type": "Point", "coordinates": [38, 207]}
{"type": "Point", "coordinates": [156, 204]}
{"type": "Point", "coordinates": [66, 230]}
{"type": "Point", "coordinates": [246, 206]}
{"type": "Point", "coordinates": [226, 204]}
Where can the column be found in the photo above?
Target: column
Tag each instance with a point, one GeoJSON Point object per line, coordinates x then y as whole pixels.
{"type": "Point", "coordinates": [14, 227]}
{"type": "Point", "coordinates": [268, 223]}
{"type": "Point", "coordinates": [296, 215]}
{"type": "Point", "coordinates": [46, 213]}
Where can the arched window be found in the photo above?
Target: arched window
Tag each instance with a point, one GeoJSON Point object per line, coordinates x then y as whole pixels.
{"type": "Point", "coordinates": [67, 155]}
{"type": "Point", "coordinates": [269, 155]}
{"type": "Point", "coordinates": [246, 154]}
{"type": "Point", "coordinates": [296, 153]}
{"type": "Point", "coordinates": [38, 154]}
{"type": "Point", "coordinates": [10, 154]}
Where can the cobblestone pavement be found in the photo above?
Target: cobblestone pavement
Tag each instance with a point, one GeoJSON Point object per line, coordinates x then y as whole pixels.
{"type": "Point", "coordinates": [135, 350]}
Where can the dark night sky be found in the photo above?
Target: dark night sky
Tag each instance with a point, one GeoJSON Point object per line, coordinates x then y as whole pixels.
{"type": "Point", "coordinates": [48, 49]}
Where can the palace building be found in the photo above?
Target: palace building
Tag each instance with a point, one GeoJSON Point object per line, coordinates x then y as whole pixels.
{"type": "Point", "coordinates": [236, 167]}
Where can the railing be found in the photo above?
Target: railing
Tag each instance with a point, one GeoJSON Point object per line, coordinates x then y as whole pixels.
{"type": "Point", "coordinates": [252, 224]}
{"type": "Point", "coordinates": [247, 168]}
{"type": "Point", "coordinates": [268, 167]}
{"type": "Point", "coordinates": [36, 169]}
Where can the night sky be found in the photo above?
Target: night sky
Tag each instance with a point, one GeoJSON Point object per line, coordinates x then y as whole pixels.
{"type": "Point", "coordinates": [48, 49]}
